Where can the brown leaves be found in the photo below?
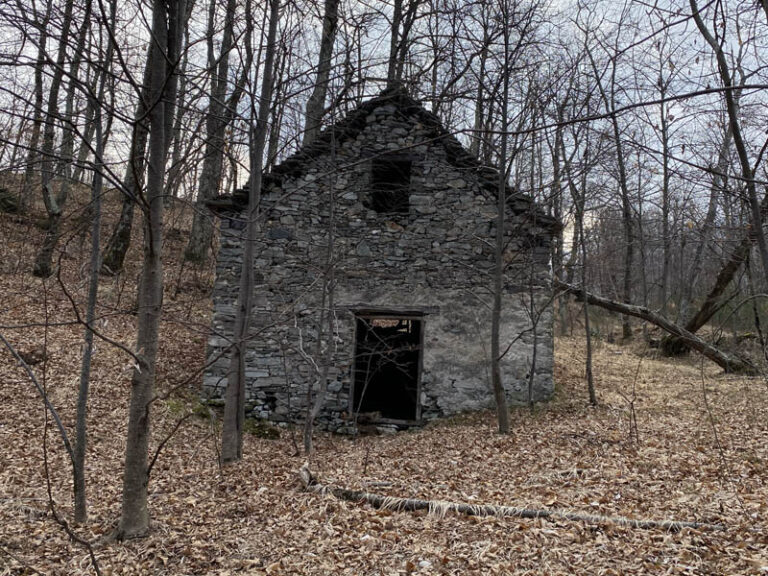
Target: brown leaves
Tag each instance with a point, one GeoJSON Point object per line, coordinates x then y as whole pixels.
{"type": "Point", "coordinates": [252, 519]}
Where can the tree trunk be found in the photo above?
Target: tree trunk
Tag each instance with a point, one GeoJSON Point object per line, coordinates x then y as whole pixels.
{"type": "Point", "coordinates": [626, 206]}
{"type": "Point", "coordinates": [134, 520]}
{"type": "Point", "coordinates": [220, 113]}
{"type": "Point", "coordinates": [665, 237]}
{"type": "Point", "coordinates": [713, 302]}
{"type": "Point", "coordinates": [81, 509]}
{"type": "Point", "coordinates": [316, 104]}
{"type": "Point", "coordinates": [729, 363]}
{"type": "Point", "coordinates": [327, 310]}
{"type": "Point", "coordinates": [311, 484]}
{"type": "Point", "coordinates": [499, 394]}
{"type": "Point", "coordinates": [397, 16]}
{"type": "Point", "coordinates": [579, 203]}
{"type": "Point", "coordinates": [478, 133]}
{"type": "Point", "coordinates": [120, 240]}
{"type": "Point", "coordinates": [54, 205]}
{"type": "Point", "coordinates": [175, 169]}
{"type": "Point", "coordinates": [234, 407]}
{"type": "Point", "coordinates": [81, 437]}
{"type": "Point", "coordinates": [25, 195]}
{"type": "Point", "coordinates": [717, 188]}
{"type": "Point", "coordinates": [732, 106]}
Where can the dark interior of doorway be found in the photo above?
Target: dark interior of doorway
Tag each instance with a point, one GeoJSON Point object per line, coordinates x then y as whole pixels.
{"type": "Point", "coordinates": [387, 364]}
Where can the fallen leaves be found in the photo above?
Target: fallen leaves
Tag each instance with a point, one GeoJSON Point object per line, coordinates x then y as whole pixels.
{"type": "Point", "coordinates": [252, 519]}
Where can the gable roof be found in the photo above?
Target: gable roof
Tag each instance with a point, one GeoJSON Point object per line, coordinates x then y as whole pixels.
{"type": "Point", "coordinates": [396, 100]}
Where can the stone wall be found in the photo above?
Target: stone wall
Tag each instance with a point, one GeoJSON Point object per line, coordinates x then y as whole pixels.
{"type": "Point", "coordinates": [437, 258]}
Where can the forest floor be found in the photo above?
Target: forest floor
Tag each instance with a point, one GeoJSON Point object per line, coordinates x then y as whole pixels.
{"type": "Point", "coordinates": [699, 453]}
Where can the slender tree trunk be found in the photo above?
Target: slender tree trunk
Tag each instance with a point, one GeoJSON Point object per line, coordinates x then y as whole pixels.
{"type": "Point", "coordinates": [665, 236]}
{"type": "Point", "coordinates": [120, 240]}
{"type": "Point", "coordinates": [234, 407]}
{"type": "Point", "coordinates": [313, 409]}
{"type": "Point", "coordinates": [220, 115]}
{"type": "Point", "coordinates": [732, 106]}
{"type": "Point", "coordinates": [177, 140]}
{"type": "Point", "coordinates": [629, 232]}
{"type": "Point", "coordinates": [557, 210]}
{"type": "Point", "coordinates": [81, 508]}
{"type": "Point", "coordinates": [479, 120]}
{"type": "Point", "coordinates": [316, 104]}
{"type": "Point", "coordinates": [587, 329]}
{"type": "Point", "coordinates": [580, 246]}
{"type": "Point", "coordinates": [499, 394]}
{"type": "Point", "coordinates": [278, 109]}
{"type": "Point", "coordinates": [717, 188]}
{"type": "Point", "coordinates": [626, 206]}
{"type": "Point", "coordinates": [90, 127]}
{"type": "Point", "coordinates": [25, 196]}
{"type": "Point", "coordinates": [54, 204]}
{"type": "Point", "coordinates": [134, 520]}
{"type": "Point", "coordinates": [397, 16]}
{"type": "Point", "coordinates": [81, 436]}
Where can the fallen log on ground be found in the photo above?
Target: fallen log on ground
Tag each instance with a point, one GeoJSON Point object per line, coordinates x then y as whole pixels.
{"type": "Point", "coordinates": [729, 362]}
{"type": "Point", "coordinates": [440, 507]}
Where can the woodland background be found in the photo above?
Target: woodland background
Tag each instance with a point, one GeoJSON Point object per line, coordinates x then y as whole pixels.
{"type": "Point", "coordinates": [641, 126]}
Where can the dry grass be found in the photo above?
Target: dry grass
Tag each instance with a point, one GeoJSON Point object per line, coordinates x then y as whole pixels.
{"type": "Point", "coordinates": [700, 453]}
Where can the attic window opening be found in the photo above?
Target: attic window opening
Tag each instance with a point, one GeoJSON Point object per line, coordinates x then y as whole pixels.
{"type": "Point", "coordinates": [390, 184]}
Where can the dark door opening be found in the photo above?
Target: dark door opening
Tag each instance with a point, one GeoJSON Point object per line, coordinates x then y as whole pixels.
{"type": "Point", "coordinates": [387, 366]}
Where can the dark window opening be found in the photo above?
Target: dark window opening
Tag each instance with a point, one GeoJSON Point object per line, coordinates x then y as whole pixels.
{"type": "Point", "coordinates": [390, 184]}
{"type": "Point", "coordinates": [387, 364]}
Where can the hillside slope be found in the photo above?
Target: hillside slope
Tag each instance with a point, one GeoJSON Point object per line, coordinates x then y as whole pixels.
{"type": "Point", "coordinates": [700, 453]}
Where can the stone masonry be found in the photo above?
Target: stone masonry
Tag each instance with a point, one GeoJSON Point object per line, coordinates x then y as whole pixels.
{"type": "Point", "coordinates": [432, 259]}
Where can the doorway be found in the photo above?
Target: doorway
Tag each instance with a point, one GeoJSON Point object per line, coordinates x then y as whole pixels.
{"type": "Point", "coordinates": [388, 357]}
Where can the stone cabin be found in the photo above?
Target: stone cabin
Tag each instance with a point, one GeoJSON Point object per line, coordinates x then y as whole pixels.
{"type": "Point", "coordinates": [413, 231]}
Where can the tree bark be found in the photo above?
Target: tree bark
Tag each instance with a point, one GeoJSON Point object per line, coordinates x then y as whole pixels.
{"type": "Point", "coordinates": [234, 407]}
{"type": "Point", "coordinates": [25, 195]}
{"type": "Point", "coordinates": [216, 125]}
{"type": "Point", "coordinates": [717, 188]}
{"type": "Point", "coordinates": [134, 520]}
{"type": "Point", "coordinates": [579, 203]}
{"type": "Point", "coordinates": [713, 302]}
{"type": "Point", "coordinates": [310, 484]}
{"type": "Point", "coordinates": [315, 108]}
{"type": "Point", "coordinates": [81, 507]}
{"type": "Point", "coordinates": [54, 204]}
{"type": "Point", "coordinates": [499, 394]}
{"type": "Point", "coordinates": [728, 362]}
{"type": "Point", "coordinates": [732, 105]}
{"type": "Point", "coordinates": [120, 240]}
{"type": "Point", "coordinates": [626, 206]}
{"type": "Point", "coordinates": [665, 236]}
{"type": "Point", "coordinates": [327, 311]}
{"type": "Point", "coordinates": [81, 436]}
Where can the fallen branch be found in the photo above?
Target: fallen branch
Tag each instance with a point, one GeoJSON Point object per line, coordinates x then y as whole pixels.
{"type": "Point", "coordinates": [440, 507]}
{"type": "Point", "coordinates": [728, 362]}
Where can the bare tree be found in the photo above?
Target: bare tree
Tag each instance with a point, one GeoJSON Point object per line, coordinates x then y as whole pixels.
{"type": "Point", "coordinates": [316, 104]}
{"type": "Point", "coordinates": [732, 106]}
{"type": "Point", "coordinates": [234, 408]}
{"type": "Point", "coordinates": [134, 520]}
{"type": "Point", "coordinates": [42, 23]}
{"type": "Point", "coordinates": [218, 119]}
{"type": "Point", "coordinates": [54, 203]}
{"type": "Point", "coordinates": [608, 96]}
